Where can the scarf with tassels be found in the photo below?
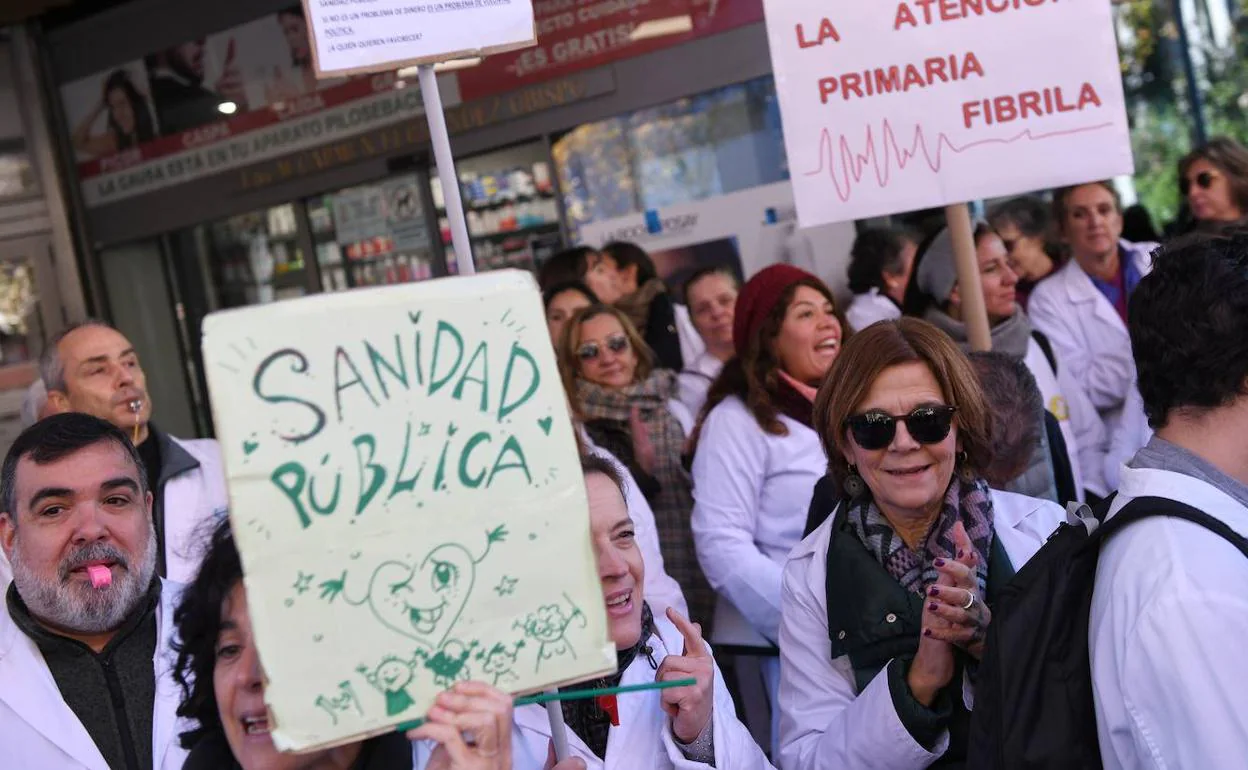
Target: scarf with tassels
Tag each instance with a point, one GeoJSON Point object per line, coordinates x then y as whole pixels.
{"type": "Point", "coordinates": [967, 501]}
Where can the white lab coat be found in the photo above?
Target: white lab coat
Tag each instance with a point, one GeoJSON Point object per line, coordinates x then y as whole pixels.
{"type": "Point", "coordinates": [1081, 425]}
{"type": "Point", "coordinates": [866, 309]}
{"type": "Point", "coordinates": [661, 589]}
{"type": "Point", "coordinates": [694, 382]}
{"type": "Point", "coordinates": [38, 729]}
{"type": "Point", "coordinates": [643, 740]}
{"type": "Point", "coordinates": [1088, 333]}
{"type": "Point", "coordinates": [1132, 434]}
{"type": "Point", "coordinates": [194, 502]}
{"type": "Point", "coordinates": [824, 723]}
{"type": "Point", "coordinates": [751, 492]}
{"type": "Point", "coordinates": [1167, 630]}
{"type": "Point", "coordinates": [691, 343]}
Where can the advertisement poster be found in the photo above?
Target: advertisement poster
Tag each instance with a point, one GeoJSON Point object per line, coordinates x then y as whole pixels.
{"type": "Point", "coordinates": [759, 225]}
{"type": "Point", "coordinates": [909, 105]}
{"type": "Point", "coordinates": [402, 473]}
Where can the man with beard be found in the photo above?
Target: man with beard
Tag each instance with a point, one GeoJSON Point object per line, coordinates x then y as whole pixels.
{"type": "Point", "coordinates": [85, 627]}
{"type": "Point", "coordinates": [176, 76]}
{"type": "Point", "coordinates": [92, 368]}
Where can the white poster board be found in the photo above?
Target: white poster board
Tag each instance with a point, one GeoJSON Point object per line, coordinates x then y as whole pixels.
{"type": "Point", "coordinates": [897, 106]}
{"type": "Point", "coordinates": [352, 36]}
{"type": "Point", "coordinates": [407, 499]}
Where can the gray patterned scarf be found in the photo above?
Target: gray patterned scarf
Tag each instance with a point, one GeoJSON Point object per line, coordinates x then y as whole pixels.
{"type": "Point", "coordinates": [968, 502]}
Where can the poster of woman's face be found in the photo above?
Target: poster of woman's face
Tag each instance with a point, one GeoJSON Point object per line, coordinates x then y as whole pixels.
{"type": "Point", "coordinates": [110, 112]}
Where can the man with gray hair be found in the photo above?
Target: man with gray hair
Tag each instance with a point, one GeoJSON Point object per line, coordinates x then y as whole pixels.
{"type": "Point", "coordinates": [86, 625]}
{"type": "Point", "coordinates": [92, 368]}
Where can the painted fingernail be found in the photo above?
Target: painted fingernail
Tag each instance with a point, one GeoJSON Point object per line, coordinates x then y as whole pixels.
{"type": "Point", "coordinates": [927, 632]}
{"type": "Point", "coordinates": [933, 591]}
{"type": "Point", "coordinates": [932, 606]}
{"type": "Point", "coordinates": [960, 554]}
{"type": "Point", "coordinates": [941, 562]}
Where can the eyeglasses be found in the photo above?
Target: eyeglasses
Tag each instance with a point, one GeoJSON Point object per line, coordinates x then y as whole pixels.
{"type": "Point", "coordinates": [925, 424]}
{"type": "Point", "coordinates": [616, 343]}
{"type": "Point", "coordinates": [1204, 180]}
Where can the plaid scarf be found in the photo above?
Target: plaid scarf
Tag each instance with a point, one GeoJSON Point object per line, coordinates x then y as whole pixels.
{"type": "Point", "coordinates": [673, 503]}
{"type": "Point", "coordinates": [968, 502]}
{"type": "Point", "coordinates": [586, 717]}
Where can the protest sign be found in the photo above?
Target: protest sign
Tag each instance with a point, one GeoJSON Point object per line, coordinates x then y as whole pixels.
{"type": "Point", "coordinates": [352, 36]}
{"type": "Point", "coordinates": [407, 499]}
{"type": "Point", "coordinates": [896, 106]}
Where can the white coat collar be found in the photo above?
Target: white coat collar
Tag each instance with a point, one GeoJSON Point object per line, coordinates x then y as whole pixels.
{"type": "Point", "coordinates": [1080, 289]}
{"type": "Point", "coordinates": [27, 686]}
{"type": "Point", "coordinates": [1151, 482]}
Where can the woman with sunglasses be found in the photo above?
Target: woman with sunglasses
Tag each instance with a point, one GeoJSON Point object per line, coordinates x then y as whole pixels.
{"type": "Point", "coordinates": [1213, 180]}
{"type": "Point", "coordinates": [887, 602]}
{"type": "Point", "coordinates": [1025, 227]}
{"type": "Point", "coordinates": [756, 458]}
{"type": "Point", "coordinates": [1082, 308]}
{"type": "Point", "coordinates": [936, 298]}
{"type": "Point", "coordinates": [630, 409]}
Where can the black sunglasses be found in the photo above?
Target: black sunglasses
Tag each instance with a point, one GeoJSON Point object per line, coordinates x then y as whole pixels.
{"type": "Point", "coordinates": [616, 343]}
{"type": "Point", "coordinates": [1204, 180]}
{"type": "Point", "coordinates": [925, 424]}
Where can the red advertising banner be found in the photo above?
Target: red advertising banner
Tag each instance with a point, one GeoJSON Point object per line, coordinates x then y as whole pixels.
{"type": "Point", "coordinates": [578, 34]}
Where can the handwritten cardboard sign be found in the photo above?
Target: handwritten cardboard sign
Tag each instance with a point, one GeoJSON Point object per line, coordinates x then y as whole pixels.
{"type": "Point", "coordinates": [355, 36]}
{"type": "Point", "coordinates": [407, 499]}
{"type": "Point", "coordinates": [910, 104]}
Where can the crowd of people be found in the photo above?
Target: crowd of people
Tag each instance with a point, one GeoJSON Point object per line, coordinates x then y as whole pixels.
{"type": "Point", "coordinates": [812, 513]}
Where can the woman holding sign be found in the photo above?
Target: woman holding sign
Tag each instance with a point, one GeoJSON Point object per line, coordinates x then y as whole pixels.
{"type": "Point", "coordinates": [629, 408]}
{"type": "Point", "coordinates": [886, 603]}
{"type": "Point", "coordinates": [692, 726]}
{"type": "Point", "coordinates": [223, 694]}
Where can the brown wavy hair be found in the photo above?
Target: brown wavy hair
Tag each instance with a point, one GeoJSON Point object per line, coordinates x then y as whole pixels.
{"type": "Point", "coordinates": [570, 342]}
{"type": "Point", "coordinates": [888, 344]}
{"type": "Point", "coordinates": [1228, 156]}
{"type": "Point", "coordinates": [752, 375]}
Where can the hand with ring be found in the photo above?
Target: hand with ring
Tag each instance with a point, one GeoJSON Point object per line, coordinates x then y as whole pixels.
{"type": "Point", "coordinates": [471, 723]}
{"type": "Point", "coordinates": [954, 599]}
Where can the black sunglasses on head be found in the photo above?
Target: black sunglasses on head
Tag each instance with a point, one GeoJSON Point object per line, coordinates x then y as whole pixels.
{"type": "Point", "coordinates": [925, 424]}
{"type": "Point", "coordinates": [616, 343]}
{"type": "Point", "coordinates": [1204, 180]}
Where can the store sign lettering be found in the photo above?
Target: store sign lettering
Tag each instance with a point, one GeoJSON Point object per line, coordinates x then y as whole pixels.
{"type": "Point", "coordinates": [653, 227]}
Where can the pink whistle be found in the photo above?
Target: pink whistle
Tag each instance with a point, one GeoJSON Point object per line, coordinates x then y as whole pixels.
{"type": "Point", "coordinates": [101, 576]}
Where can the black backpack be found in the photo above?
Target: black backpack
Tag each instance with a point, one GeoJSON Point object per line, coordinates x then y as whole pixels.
{"type": "Point", "coordinates": [1033, 691]}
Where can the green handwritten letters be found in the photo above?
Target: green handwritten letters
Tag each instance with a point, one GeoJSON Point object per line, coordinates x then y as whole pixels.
{"type": "Point", "coordinates": [380, 446]}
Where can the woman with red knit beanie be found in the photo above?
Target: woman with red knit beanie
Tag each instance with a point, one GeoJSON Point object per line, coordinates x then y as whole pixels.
{"type": "Point", "coordinates": [757, 458]}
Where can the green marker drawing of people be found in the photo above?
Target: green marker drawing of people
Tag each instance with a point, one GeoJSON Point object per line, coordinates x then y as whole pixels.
{"type": "Point", "coordinates": [549, 627]}
{"type": "Point", "coordinates": [421, 601]}
{"type": "Point", "coordinates": [392, 678]}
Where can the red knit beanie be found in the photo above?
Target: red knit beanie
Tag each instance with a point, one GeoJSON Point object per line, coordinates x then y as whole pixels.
{"type": "Point", "coordinates": [759, 297]}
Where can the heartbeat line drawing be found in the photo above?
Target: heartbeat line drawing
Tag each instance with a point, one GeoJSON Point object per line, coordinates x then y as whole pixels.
{"type": "Point", "coordinates": [854, 165]}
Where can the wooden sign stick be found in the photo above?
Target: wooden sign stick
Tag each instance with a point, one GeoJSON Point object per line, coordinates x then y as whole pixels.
{"type": "Point", "coordinates": [974, 310]}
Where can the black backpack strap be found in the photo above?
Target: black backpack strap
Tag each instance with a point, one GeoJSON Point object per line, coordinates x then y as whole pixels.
{"type": "Point", "coordinates": [1147, 507]}
{"type": "Point", "coordinates": [1046, 347]}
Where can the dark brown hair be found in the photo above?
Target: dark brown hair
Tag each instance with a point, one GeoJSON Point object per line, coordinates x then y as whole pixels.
{"type": "Point", "coordinates": [888, 344]}
{"type": "Point", "coordinates": [752, 374]}
{"type": "Point", "coordinates": [1228, 156]}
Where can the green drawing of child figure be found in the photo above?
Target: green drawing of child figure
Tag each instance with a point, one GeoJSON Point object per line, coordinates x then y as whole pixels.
{"type": "Point", "coordinates": [392, 677]}
{"type": "Point", "coordinates": [548, 626]}
{"type": "Point", "coordinates": [449, 664]}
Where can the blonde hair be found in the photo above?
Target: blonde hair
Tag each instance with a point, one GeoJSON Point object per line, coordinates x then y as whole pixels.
{"type": "Point", "coordinates": [570, 343]}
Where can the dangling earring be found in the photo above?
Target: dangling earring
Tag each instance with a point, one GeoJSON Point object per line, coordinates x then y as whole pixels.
{"type": "Point", "coordinates": [855, 487]}
{"type": "Point", "coordinates": [960, 468]}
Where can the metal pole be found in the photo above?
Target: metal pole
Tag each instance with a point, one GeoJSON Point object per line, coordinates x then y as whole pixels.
{"type": "Point", "coordinates": [446, 169]}
{"type": "Point", "coordinates": [1200, 132]}
{"type": "Point", "coordinates": [974, 310]}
